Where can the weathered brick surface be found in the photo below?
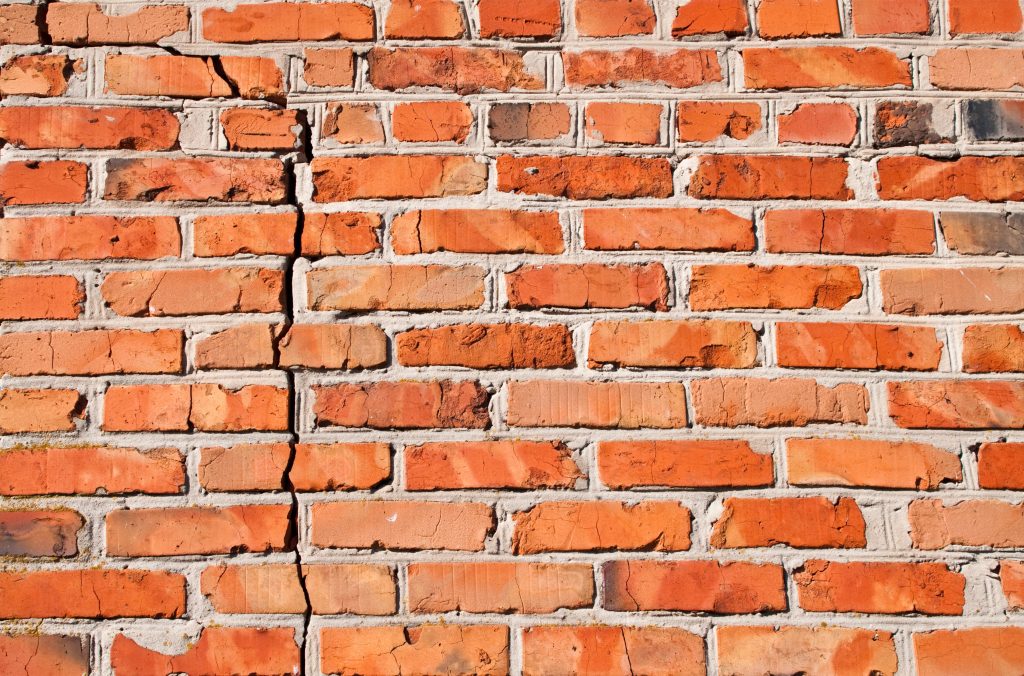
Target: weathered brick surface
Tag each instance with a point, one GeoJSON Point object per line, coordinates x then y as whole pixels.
{"type": "Point", "coordinates": [524, 337]}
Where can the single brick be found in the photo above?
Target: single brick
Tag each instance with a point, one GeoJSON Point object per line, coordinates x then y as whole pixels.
{"type": "Point", "coordinates": [328, 67]}
{"type": "Point", "coordinates": [589, 285]}
{"type": "Point", "coordinates": [196, 179]}
{"type": "Point", "coordinates": [245, 346]}
{"type": "Point", "coordinates": [112, 594]}
{"type": "Point", "coordinates": [95, 128]}
{"type": "Point", "coordinates": [934, 291]}
{"type": "Point", "coordinates": [825, 67]}
{"type": "Point", "coordinates": [831, 124]}
{"type": "Point", "coordinates": [340, 467]}
{"type": "Point", "coordinates": [878, 587]}
{"type": "Point", "coordinates": [707, 121]}
{"type": "Point", "coordinates": [910, 123]}
{"type": "Point", "coordinates": [35, 182]}
{"type": "Point", "coordinates": [487, 231]}
{"type": "Point", "coordinates": [250, 650]}
{"type": "Point", "coordinates": [209, 407]}
{"type": "Point", "coordinates": [333, 346]}
{"type": "Point", "coordinates": [976, 68]}
{"type": "Point", "coordinates": [40, 297]}
{"type": "Point", "coordinates": [722, 287]}
{"type": "Point", "coordinates": [37, 75]}
{"type": "Point", "coordinates": [182, 531]}
{"type": "Point", "coordinates": [807, 522]}
{"type": "Point", "coordinates": [499, 587]}
{"type": "Point", "coordinates": [1000, 467]}
{"type": "Point", "coordinates": [162, 293]}
{"type": "Point", "coordinates": [585, 178]}
{"type": "Point", "coordinates": [798, 18]}
{"type": "Point", "coordinates": [991, 348]}
{"type": "Point", "coordinates": [245, 233]}
{"type": "Point", "coordinates": [258, 129]}
{"type": "Point", "coordinates": [37, 654]}
{"type": "Point", "coordinates": [881, 17]}
{"type": "Point", "coordinates": [682, 464]}
{"type": "Point", "coordinates": [678, 69]}
{"type": "Point", "coordinates": [352, 124]}
{"type": "Point", "coordinates": [971, 523]}
{"type": "Point", "coordinates": [993, 16]}
{"type": "Point", "coordinates": [422, 649]}
{"type": "Point", "coordinates": [528, 121]}
{"type": "Point", "coordinates": [979, 179]}
{"type": "Point", "coordinates": [19, 25]}
{"type": "Point", "coordinates": [90, 470]}
{"type": "Point", "coordinates": [857, 346]}
{"type": "Point", "coordinates": [597, 526]}
{"type": "Point", "coordinates": [23, 410]}
{"type": "Point", "coordinates": [52, 533]}
{"type": "Point", "coordinates": [533, 19]}
{"type": "Point", "coordinates": [860, 232]}
{"type": "Point", "coordinates": [40, 238]}
{"type": "Point", "coordinates": [694, 586]}
{"type": "Point", "coordinates": [1011, 575]}
{"type": "Point", "coordinates": [870, 464]}
{"type": "Point", "coordinates": [606, 405]}
{"type": "Point", "coordinates": [74, 23]}
{"type": "Point", "coordinates": [164, 75]}
{"type": "Point", "coordinates": [760, 177]}
{"type": "Point", "coordinates": [465, 70]}
{"type": "Point", "coordinates": [711, 17]}
{"type": "Point", "coordinates": [655, 651]}
{"type": "Point", "coordinates": [424, 20]}
{"type": "Point", "coordinates": [614, 18]}
{"type": "Point", "coordinates": [946, 404]}
{"type": "Point", "coordinates": [245, 467]}
{"type": "Point", "coordinates": [983, 234]}
{"type": "Point", "coordinates": [337, 179]}
{"type": "Point", "coordinates": [673, 344]}
{"type": "Point", "coordinates": [487, 346]}
{"type": "Point", "coordinates": [995, 119]}
{"type": "Point", "coordinates": [489, 464]}
{"type": "Point", "coordinates": [432, 121]}
{"type": "Point", "coordinates": [785, 402]}
{"type": "Point", "coordinates": [982, 650]}
{"type": "Point", "coordinates": [794, 650]}
{"type": "Point", "coordinates": [288, 22]}
{"type": "Point", "coordinates": [92, 352]}
{"type": "Point", "coordinates": [403, 405]}
{"type": "Point", "coordinates": [401, 525]}
{"type": "Point", "coordinates": [395, 287]}
{"type": "Point", "coordinates": [624, 123]}
{"type": "Point", "coordinates": [670, 229]}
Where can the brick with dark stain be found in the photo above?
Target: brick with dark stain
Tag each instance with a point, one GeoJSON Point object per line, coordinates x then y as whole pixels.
{"type": "Point", "coordinates": [995, 120]}
{"type": "Point", "coordinates": [982, 234]}
{"type": "Point", "coordinates": [906, 123]}
{"type": "Point", "coordinates": [40, 533]}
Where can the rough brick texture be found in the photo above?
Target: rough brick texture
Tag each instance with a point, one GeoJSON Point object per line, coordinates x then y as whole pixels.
{"type": "Point", "coordinates": [527, 337]}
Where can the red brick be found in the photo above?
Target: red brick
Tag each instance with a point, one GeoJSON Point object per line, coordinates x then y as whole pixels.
{"type": "Point", "coordinates": [490, 464]}
{"type": "Point", "coordinates": [614, 18]}
{"type": "Point", "coordinates": [881, 17]}
{"type": "Point", "coordinates": [340, 467]}
{"type": "Point", "coordinates": [257, 129]}
{"type": "Point", "coordinates": [401, 525]}
{"type": "Point", "coordinates": [589, 285]}
{"type": "Point", "coordinates": [499, 587]}
{"type": "Point", "coordinates": [832, 124]}
{"type": "Point", "coordinates": [887, 588]}
{"type": "Point", "coordinates": [18, 25]}
{"type": "Point", "coordinates": [112, 594]}
{"type": "Point", "coordinates": [37, 75]}
{"type": "Point", "coordinates": [182, 531]}
{"type": "Point", "coordinates": [622, 405]}
{"type": "Point", "coordinates": [245, 346]}
{"type": "Point", "coordinates": [205, 407]}
{"type": "Point", "coordinates": [798, 18]}
{"type": "Point", "coordinates": [992, 348]}
{"type": "Point", "coordinates": [971, 523]}
{"type": "Point", "coordinates": [535, 19]}
{"type": "Point", "coordinates": [90, 470]}
{"type": "Point", "coordinates": [1000, 466]}
{"type": "Point", "coordinates": [395, 287]}
{"type": "Point", "coordinates": [233, 234]}
{"type": "Point", "coordinates": [24, 410]}
{"type": "Point", "coordinates": [274, 588]}
{"type": "Point", "coordinates": [465, 70]}
{"type": "Point", "coordinates": [95, 128]}
{"type": "Point", "coordinates": [487, 346]}
{"type": "Point", "coordinates": [76, 23]}
{"type": "Point", "coordinates": [694, 586]}
{"type": "Point", "coordinates": [682, 464]}
{"type": "Point", "coordinates": [245, 467]}
{"type": "Point", "coordinates": [34, 182]}
{"type": "Point", "coordinates": [824, 68]}
{"type": "Point", "coordinates": [870, 464]}
{"type": "Point", "coordinates": [706, 121]}
{"type": "Point", "coordinates": [937, 291]}
{"type": "Point", "coordinates": [857, 346]}
{"type": "Point", "coordinates": [40, 238]}
{"type": "Point", "coordinates": [968, 405]}
{"type": "Point", "coordinates": [528, 121]}
{"type": "Point", "coordinates": [808, 522]}
{"type": "Point", "coordinates": [785, 402]}
{"type": "Point", "coordinates": [352, 124]}
{"type": "Point", "coordinates": [1011, 575]}
{"type": "Point", "coordinates": [597, 526]}
{"type": "Point", "coordinates": [432, 121]}
{"type": "Point", "coordinates": [43, 654]}
{"type": "Point", "coordinates": [861, 232]}
{"type": "Point", "coordinates": [476, 231]}
{"type": "Point", "coordinates": [625, 229]}
{"type": "Point", "coordinates": [794, 650]}
{"type": "Point", "coordinates": [585, 178]}
{"type": "Point", "coordinates": [288, 22]}
{"type": "Point", "coordinates": [673, 344]}
{"type": "Point", "coordinates": [759, 177]}
{"type": "Point", "coordinates": [424, 19]}
{"type": "Point", "coordinates": [40, 297]}
{"type": "Point", "coordinates": [403, 405]}
{"type": "Point", "coordinates": [655, 651]}
{"type": "Point", "coordinates": [337, 179]}
{"type": "Point", "coordinates": [250, 650]}
{"type": "Point", "coordinates": [782, 287]}
{"type": "Point", "coordinates": [96, 352]}
{"type": "Point", "coordinates": [327, 346]}
{"type": "Point", "coordinates": [976, 68]}
{"type": "Point", "coordinates": [985, 179]}
{"type": "Point", "coordinates": [50, 533]}
{"type": "Point", "coordinates": [982, 650]}
{"type": "Point", "coordinates": [340, 233]}
{"type": "Point", "coordinates": [626, 123]}
{"type": "Point", "coordinates": [196, 179]}
{"type": "Point", "coordinates": [328, 67]}
{"type": "Point", "coordinates": [164, 75]}
{"type": "Point", "coordinates": [993, 16]}
{"type": "Point", "coordinates": [423, 649]}
{"type": "Point", "coordinates": [709, 17]}
{"type": "Point", "coordinates": [679, 69]}
{"type": "Point", "coordinates": [162, 293]}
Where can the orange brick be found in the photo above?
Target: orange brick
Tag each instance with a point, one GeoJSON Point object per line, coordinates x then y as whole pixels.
{"type": "Point", "coordinates": [395, 287]}
{"type": "Point", "coordinates": [682, 464]}
{"type": "Point", "coordinates": [944, 404]}
{"type": "Point", "coordinates": [426, 649]}
{"type": "Point", "coordinates": [971, 523]}
{"type": "Point", "coordinates": [759, 177]}
{"type": "Point", "coordinates": [424, 19]}
{"type": "Point", "coordinates": [824, 68]}
{"type": "Point", "coordinates": [487, 346]}
{"type": "Point", "coordinates": [982, 650]}
{"type": "Point", "coordinates": [679, 69]}
{"type": "Point", "coordinates": [329, 346]}
{"type": "Point", "coordinates": [202, 406]}
{"type": "Point", "coordinates": [288, 22]}
{"type": "Point", "coordinates": [329, 67]}
{"type": "Point", "coordinates": [862, 232]}
{"type": "Point", "coordinates": [811, 522]}
{"type": "Point", "coordinates": [857, 346]}
{"type": "Point", "coordinates": [627, 123]}
{"type": "Point", "coordinates": [95, 352]}
{"type": "Point", "coordinates": [432, 121]}
{"type": "Point", "coordinates": [157, 293]}
{"type": "Point", "coordinates": [625, 229]}
{"type": "Point", "coordinates": [95, 128]}
{"type": "Point", "coordinates": [246, 649]}
{"type": "Point", "coordinates": [245, 346]}
{"type": "Point", "coordinates": [402, 525]}
{"type": "Point", "coordinates": [183, 531]}
{"type": "Point", "coordinates": [87, 24]}
{"type": "Point", "coordinates": [708, 17]}
{"type": "Point", "coordinates": [344, 233]}
{"type": "Point", "coordinates": [536, 19]}
{"type": "Point", "coordinates": [874, 464]}
{"type": "Point", "coordinates": [655, 651]}
{"type": "Point", "coordinates": [113, 594]}
{"type": "Point", "coordinates": [785, 402]}
{"type": "Point", "coordinates": [706, 121]}
{"type": "Point", "coordinates": [889, 588]}
{"type": "Point", "coordinates": [465, 70]}
{"type": "Point", "coordinates": [37, 75]}
{"type": "Point", "coordinates": [797, 18]}
{"type": "Point", "coordinates": [585, 178]}
{"type": "Point", "coordinates": [499, 587]}
{"type": "Point", "coordinates": [881, 17]}
{"type": "Point", "coordinates": [338, 179]}
{"type": "Point", "coordinates": [832, 124]}
{"type": "Point", "coordinates": [490, 464]}
{"type": "Point", "coordinates": [994, 16]}
{"type": "Point", "coordinates": [791, 650]}
{"type": "Point", "coordinates": [39, 238]}
{"type": "Point", "coordinates": [694, 586]}
{"type": "Point", "coordinates": [673, 344]}
{"type": "Point", "coordinates": [32, 182]}
{"type": "Point", "coordinates": [403, 405]}
{"type": "Point", "coordinates": [993, 348]}
{"type": "Point", "coordinates": [589, 285]}
{"type": "Point", "coordinates": [40, 297]}
{"type": "Point", "coordinates": [622, 405]}
{"type": "Point", "coordinates": [476, 231]}
{"type": "Point", "coordinates": [721, 287]}
{"type": "Point", "coordinates": [597, 526]}
{"type": "Point", "coordinates": [40, 410]}
{"type": "Point", "coordinates": [999, 466]}
{"type": "Point", "coordinates": [90, 470]}
{"type": "Point", "coordinates": [196, 179]}
{"type": "Point", "coordinates": [614, 18]}
{"type": "Point", "coordinates": [43, 654]}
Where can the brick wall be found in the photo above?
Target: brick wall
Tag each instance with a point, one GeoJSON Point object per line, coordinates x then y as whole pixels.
{"type": "Point", "coordinates": [511, 336]}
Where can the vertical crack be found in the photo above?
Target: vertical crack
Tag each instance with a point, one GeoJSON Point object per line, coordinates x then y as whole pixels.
{"type": "Point", "coordinates": [293, 534]}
